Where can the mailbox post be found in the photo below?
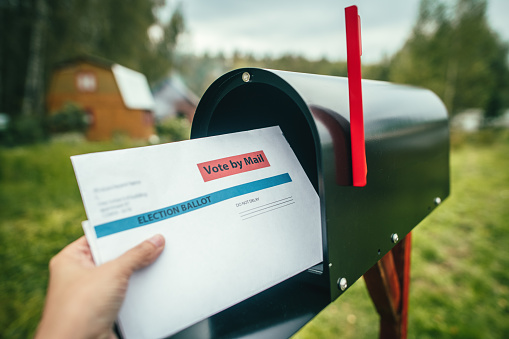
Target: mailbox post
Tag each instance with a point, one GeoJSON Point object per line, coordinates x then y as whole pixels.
{"type": "Point", "coordinates": [407, 154]}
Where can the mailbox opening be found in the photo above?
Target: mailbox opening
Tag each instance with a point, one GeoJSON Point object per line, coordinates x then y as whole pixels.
{"type": "Point", "coordinates": [259, 105]}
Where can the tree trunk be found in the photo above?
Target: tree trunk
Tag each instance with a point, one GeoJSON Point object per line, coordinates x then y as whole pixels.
{"type": "Point", "coordinates": [34, 81]}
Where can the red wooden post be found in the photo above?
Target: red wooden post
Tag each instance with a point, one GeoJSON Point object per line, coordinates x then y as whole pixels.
{"type": "Point", "coordinates": [388, 283]}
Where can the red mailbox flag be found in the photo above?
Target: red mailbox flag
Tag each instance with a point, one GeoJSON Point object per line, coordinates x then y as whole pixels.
{"type": "Point", "coordinates": [354, 51]}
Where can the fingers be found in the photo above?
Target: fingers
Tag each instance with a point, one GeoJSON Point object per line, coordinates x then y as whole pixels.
{"type": "Point", "coordinates": [81, 241]}
{"type": "Point", "coordinates": [70, 252]}
{"type": "Point", "coordinates": [142, 255]}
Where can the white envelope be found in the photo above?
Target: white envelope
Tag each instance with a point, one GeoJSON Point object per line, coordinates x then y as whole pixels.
{"type": "Point", "coordinates": [230, 232]}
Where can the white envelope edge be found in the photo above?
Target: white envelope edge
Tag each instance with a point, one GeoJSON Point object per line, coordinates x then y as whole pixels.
{"type": "Point", "coordinates": [90, 235]}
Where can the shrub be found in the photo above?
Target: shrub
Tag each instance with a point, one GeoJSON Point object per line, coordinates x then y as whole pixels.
{"type": "Point", "coordinates": [23, 130]}
{"type": "Point", "coordinates": [70, 118]}
{"type": "Point", "coordinates": [174, 129]}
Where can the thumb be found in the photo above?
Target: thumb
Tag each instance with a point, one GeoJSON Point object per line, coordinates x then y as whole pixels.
{"type": "Point", "coordinates": [142, 255]}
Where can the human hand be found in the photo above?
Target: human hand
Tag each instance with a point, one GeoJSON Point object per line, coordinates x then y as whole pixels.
{"type": "Point", "coordinates": [83, 300]}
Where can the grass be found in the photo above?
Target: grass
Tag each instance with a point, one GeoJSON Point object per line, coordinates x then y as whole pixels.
{"type": "Point", "coordinates": [460, 258]}
{"type": "Point", "coordinates": [40, 212]}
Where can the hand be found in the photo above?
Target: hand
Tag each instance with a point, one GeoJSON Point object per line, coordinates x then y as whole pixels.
{"type": "Point", "coordinates": [83, 300]}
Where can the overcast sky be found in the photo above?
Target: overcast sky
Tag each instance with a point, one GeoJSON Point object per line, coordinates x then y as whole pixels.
{"type": "Point", "coordinates": [306, 27]}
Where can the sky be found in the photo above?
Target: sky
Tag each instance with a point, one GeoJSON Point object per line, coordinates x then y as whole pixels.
{"type": "Point", "coordinates": [313, 29]}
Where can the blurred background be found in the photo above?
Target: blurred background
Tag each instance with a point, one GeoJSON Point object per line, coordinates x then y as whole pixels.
{"type": "Point", "coordinates": [82, 76]}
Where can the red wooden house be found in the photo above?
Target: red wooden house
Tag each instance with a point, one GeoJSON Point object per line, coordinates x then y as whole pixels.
{"type": "Point", "coordinates": [117, 99]}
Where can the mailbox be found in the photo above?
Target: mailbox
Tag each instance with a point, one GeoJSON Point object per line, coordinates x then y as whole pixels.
{"type": "Point", "coordinates": [407, 154]}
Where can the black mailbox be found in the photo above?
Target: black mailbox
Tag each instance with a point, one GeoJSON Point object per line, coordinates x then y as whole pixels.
{"type": "Point", "coordinates": [407, 152]}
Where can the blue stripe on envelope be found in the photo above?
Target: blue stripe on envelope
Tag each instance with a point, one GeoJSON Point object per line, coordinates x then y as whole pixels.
{"type": "Point", "coordinates": [189, 205]}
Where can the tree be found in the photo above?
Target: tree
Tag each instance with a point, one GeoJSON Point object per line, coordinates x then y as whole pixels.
{"type": "Point", "coordinates": [34, 85]}
{"type": "Point", "coordinates": [39, 33]}
{"type": "Point", "coordinates": [499, 84]}
{"type": "Point", "coordinates": [15, 24]}
{"type": "Point", "coordinates": [455, 53]}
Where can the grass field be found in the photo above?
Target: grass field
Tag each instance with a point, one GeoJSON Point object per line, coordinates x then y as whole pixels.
{"type": "Point", "coordinates": [460, 259]}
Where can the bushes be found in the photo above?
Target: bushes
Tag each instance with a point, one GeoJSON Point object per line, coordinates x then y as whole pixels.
{"type": "Point", "coordinates": [24, 130]}
{"type": "Point", "coordinates": [71, 118]}
{"type": "Point", "coordinates": [175, 129]}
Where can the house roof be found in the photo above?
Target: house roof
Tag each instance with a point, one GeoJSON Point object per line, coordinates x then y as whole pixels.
{"type": "Point", "coordinates": [168, 93]}
{"type": "Point", "coordinates": [91, 59]}
{"type": "Point", "coordinates": [133, 87]}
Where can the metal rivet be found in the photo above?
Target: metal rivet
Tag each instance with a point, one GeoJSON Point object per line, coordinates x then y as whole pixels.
{"type": "Point", "coordinates": [342, 284]}
{"type": "Point", "coordinates": [437, 201]}
{"type": "Point", "coordinates": [246, 77]}
{"type": "Point", "coordinates": [394, 237]}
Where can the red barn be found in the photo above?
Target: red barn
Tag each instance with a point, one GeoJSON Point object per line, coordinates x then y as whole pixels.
{"type": "Point", "coordinates": [117, 98]}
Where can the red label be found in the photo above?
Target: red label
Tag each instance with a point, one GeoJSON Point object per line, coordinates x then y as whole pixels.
{"type": "Point", "coordinates": [224, 167]}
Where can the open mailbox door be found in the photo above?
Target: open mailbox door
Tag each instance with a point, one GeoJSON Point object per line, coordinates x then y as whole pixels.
{"type": "Point", "coordinates": [407, 154]}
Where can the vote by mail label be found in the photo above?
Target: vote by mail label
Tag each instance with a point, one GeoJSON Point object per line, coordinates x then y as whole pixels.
{"type": "Point", "coordinates": [220, 168]}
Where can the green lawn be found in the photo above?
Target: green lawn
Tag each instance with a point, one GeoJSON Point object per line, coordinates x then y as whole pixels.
{"type": "Point", "coordinates": [460, 259]}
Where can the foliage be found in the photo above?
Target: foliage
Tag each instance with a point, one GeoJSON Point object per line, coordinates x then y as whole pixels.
{"type": "Point", "coordinates": [22, 131]}
{"type": "Point", "coordinates": [110, 29]}
{"type": "Point", "coordinates": [301, 64]}
{"type": "Point", "coordinates": [452, 51]}
{"type": "Point", "coordinates": [71, 118]}
{"type": "Point", "coordinates": [455, 53]}
{"type": "Point", "coordinates": [200, 71]}
{"type": "Point", "coordinates": [459, 282]}
{"type": "Point", "coordinates": [174, 129]}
